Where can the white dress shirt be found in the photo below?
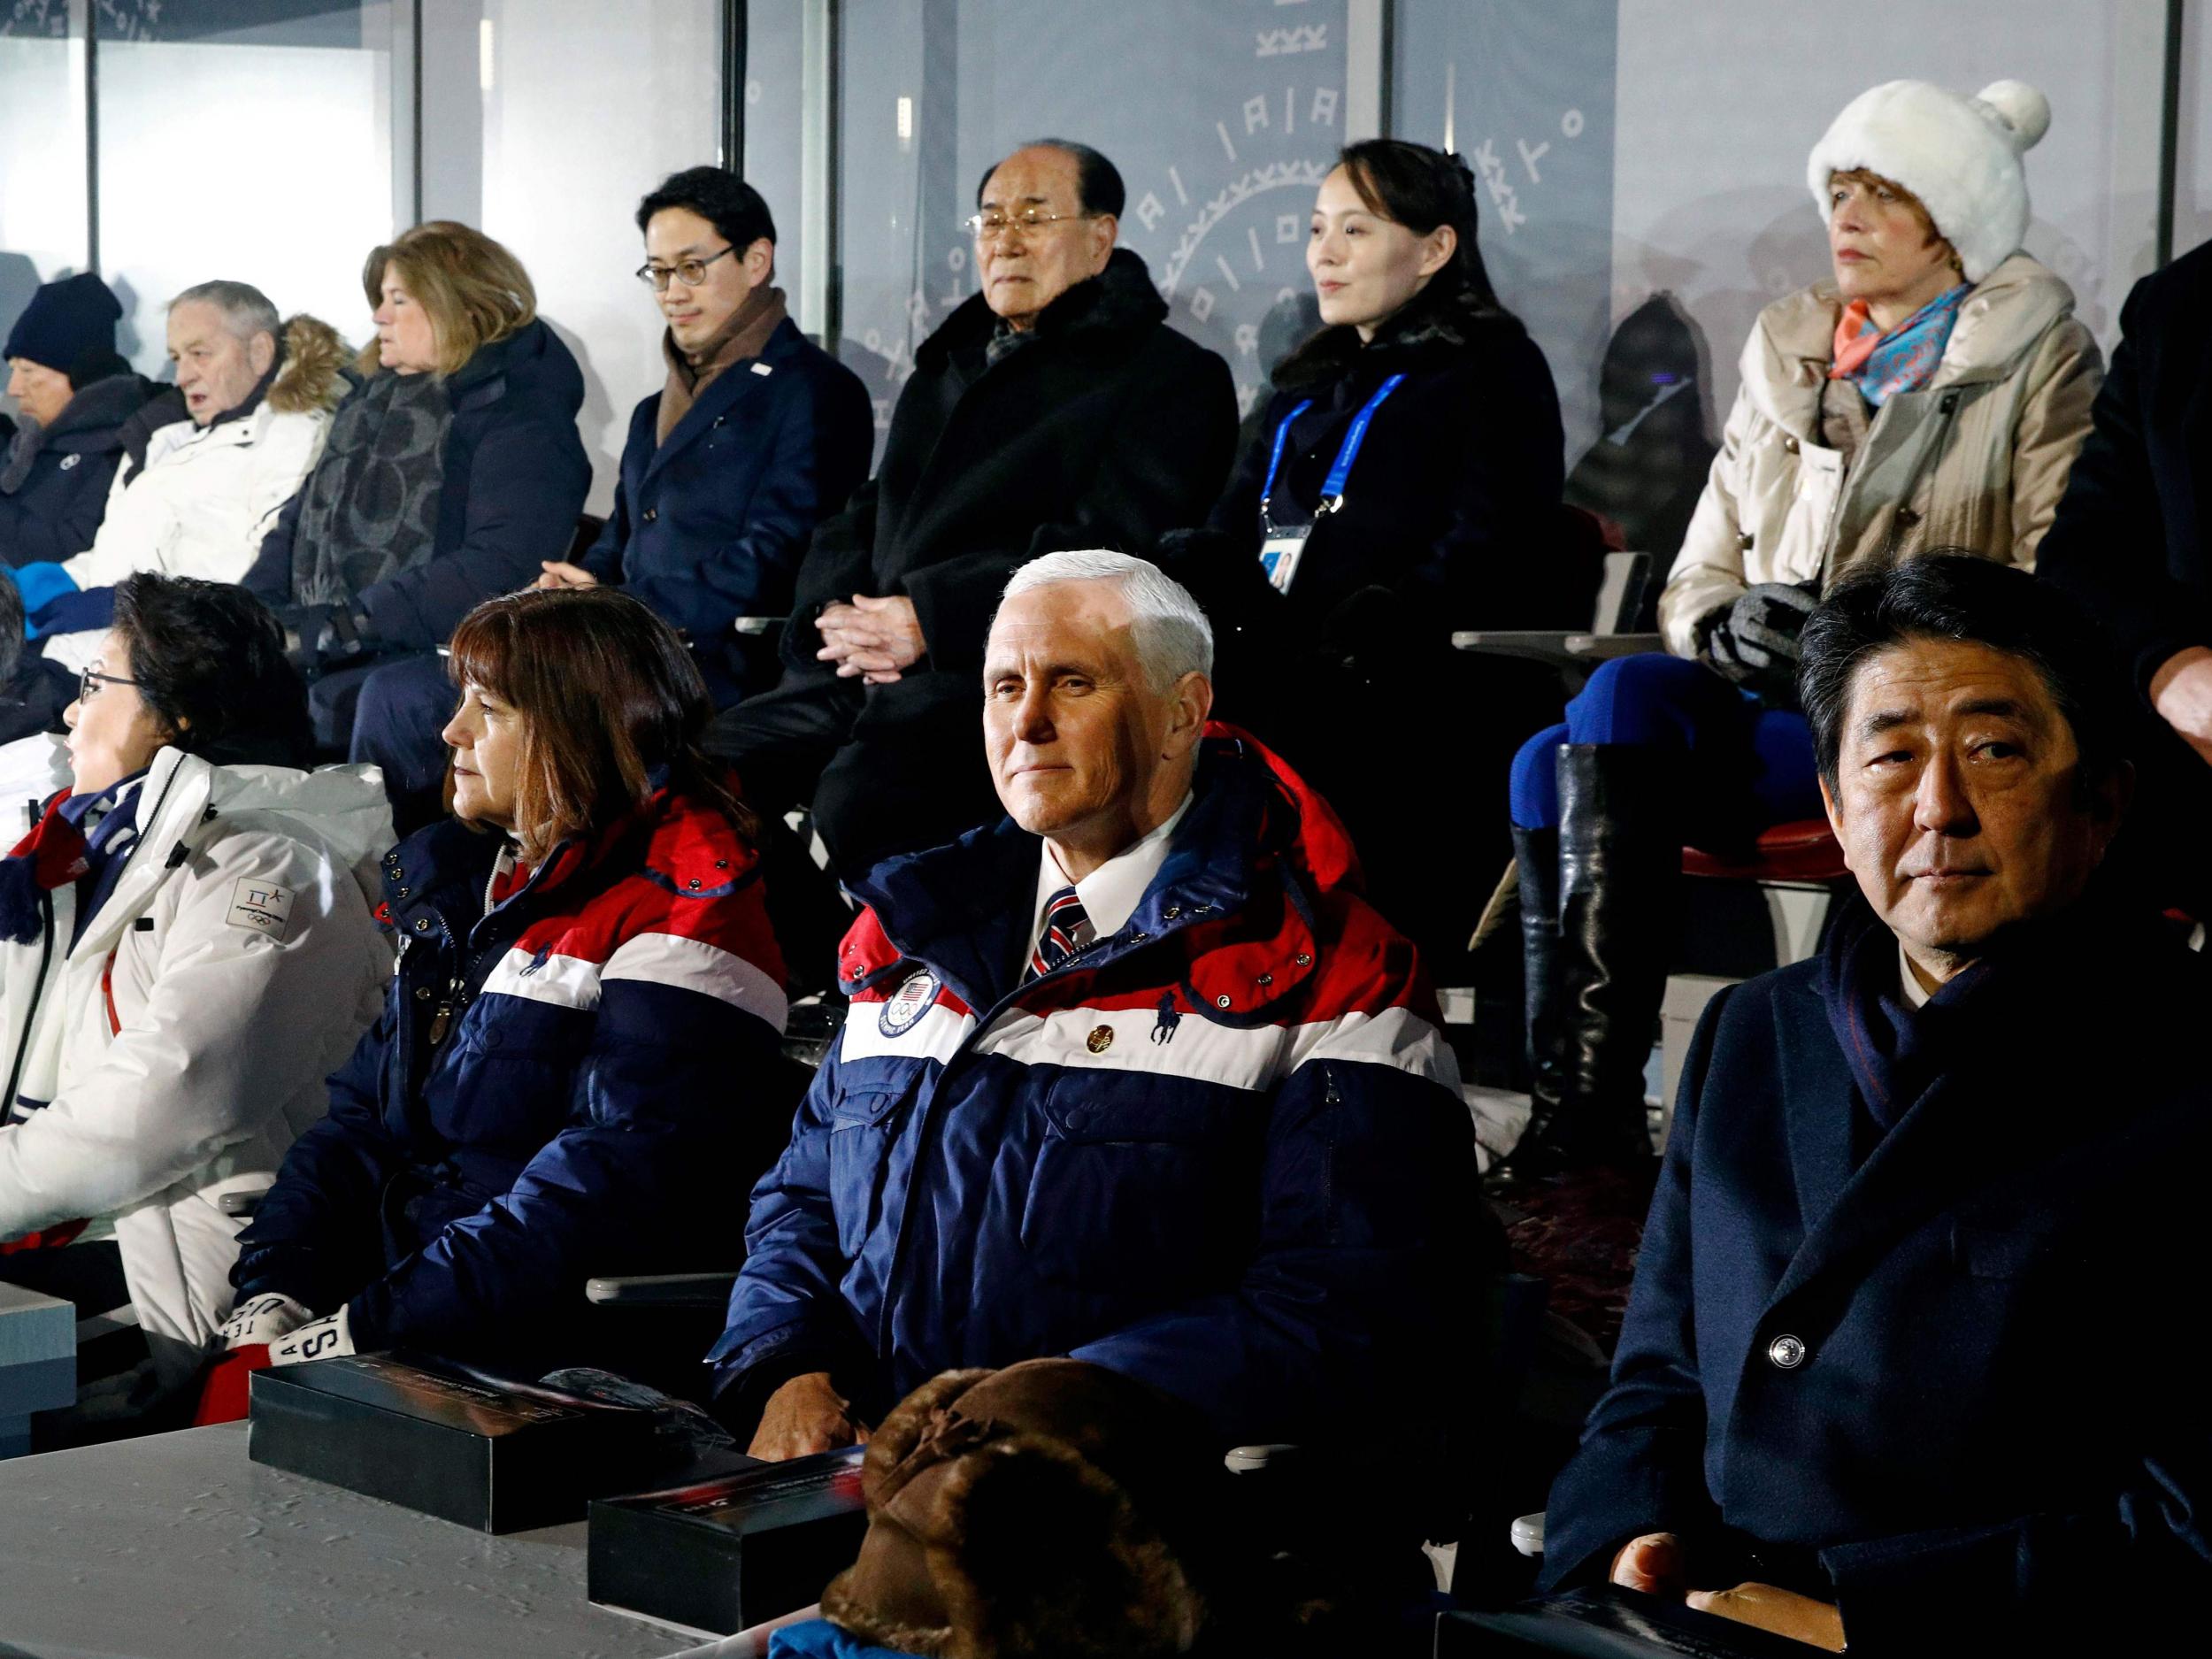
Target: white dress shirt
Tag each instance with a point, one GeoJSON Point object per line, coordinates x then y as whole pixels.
{"type": "Point", "coordinates": [1110, 895]}
{"type": "Point", "coordinates": [1915, 995]}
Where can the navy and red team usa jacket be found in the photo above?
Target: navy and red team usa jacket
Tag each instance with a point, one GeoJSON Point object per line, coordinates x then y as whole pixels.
{"type": "Point", "coordinates": [1224, 1151]}
{"type": "Point", "coordinates": [557, 1087]}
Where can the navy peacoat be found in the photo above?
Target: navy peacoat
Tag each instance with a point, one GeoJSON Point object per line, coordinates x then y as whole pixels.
{"type": "Point", "coordinates": [1929, 1373]}
{"type": "Point", "coordinates": [710, 525]}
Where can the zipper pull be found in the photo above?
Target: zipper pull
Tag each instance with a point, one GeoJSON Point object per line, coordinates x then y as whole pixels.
{"type": "Point", "coordinates": [442, 1019]}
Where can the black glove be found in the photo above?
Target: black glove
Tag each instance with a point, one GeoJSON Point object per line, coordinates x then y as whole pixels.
{"type": "Point", "coordinates": [320, 638]}
{"type": "Point", "coordinates": [1753, 643]}
{"type": "Point", "coordinates": [1370, 627]}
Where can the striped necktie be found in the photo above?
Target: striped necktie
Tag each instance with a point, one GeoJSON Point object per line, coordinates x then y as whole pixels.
{"type": "Point", "coordinates": [1066, 932]}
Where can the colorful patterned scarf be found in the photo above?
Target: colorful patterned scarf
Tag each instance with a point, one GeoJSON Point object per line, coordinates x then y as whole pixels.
{"type": "Point", "coordinates": [1903, 360]}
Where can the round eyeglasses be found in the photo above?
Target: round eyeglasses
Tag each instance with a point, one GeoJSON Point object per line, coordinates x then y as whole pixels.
{"type": "Point", "coordinates": [690, 273]}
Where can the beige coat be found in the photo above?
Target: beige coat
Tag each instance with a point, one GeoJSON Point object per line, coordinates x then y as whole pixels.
{"type": "Point", "coordinates": [1977, 459]}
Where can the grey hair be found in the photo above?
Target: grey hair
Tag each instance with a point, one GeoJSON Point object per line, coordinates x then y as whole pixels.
{"type": "Point", "coordinates": [1170, 632]}
{"type": "Point", "coordinates": [246, 310]}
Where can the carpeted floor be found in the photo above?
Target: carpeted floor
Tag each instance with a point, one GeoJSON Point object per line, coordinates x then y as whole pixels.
{"type": "Point", "coordinates": [1578, 1233]}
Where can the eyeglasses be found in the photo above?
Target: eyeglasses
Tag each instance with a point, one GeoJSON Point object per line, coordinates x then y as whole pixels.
{"type": "Point", "coordinates": [691, 273]}
{"type": "Point", "coordinates": [991, 226]}
{"type": "Point", "coordinates": [88, 683]}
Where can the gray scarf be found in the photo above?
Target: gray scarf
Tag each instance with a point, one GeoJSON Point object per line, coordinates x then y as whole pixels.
{"type": "Point", "coordinates": [371, 505]}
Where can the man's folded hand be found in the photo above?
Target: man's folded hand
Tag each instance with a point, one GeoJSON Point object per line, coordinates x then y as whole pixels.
{"type": "Point", "coordinates": [1653, 1564]}
{"type": "Point", "coordinates": [806, 1414]}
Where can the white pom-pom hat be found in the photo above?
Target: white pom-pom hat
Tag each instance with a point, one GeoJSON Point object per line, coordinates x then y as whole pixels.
{"type": "Point", "coordinates": [1960, 156]}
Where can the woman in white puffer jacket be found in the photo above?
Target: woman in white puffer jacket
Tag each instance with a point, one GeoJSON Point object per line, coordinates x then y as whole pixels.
{"type": "Point", "coordinates": [187, 948]}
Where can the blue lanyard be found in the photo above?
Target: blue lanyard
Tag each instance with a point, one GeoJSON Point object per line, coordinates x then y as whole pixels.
{"type": "Point", "coordinates": [1331, 487]}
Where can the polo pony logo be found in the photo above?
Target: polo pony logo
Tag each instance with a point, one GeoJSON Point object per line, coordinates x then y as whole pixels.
{"type": "Point", "coordinates": [1163, 1028]}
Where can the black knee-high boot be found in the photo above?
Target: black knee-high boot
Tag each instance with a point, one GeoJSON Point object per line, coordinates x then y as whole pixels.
{"type": "Point", "coordinates": [1536, 861]}
{"type": "Point", "coordinates": [1620, 854]}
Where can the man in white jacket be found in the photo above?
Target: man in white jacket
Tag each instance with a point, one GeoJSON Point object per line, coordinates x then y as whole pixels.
{"type": "Point", "coordinates": [187, 948]}
{"type": "Point", "coordinates": [196, 496]}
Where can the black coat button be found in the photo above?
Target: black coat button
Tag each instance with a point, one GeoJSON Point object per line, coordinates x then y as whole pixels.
{"type": "Point", "coordinates": [652, 513]}
{"type": "Point", "coordinates": [1786, 1352]}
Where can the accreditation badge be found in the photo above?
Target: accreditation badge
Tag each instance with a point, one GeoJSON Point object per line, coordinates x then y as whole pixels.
{"type": "Point", "coordinates": [1280, 554]}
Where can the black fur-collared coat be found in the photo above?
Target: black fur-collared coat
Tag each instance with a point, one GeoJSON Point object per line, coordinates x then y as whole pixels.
{"type": "Point", "coordinates": [1104, 430]}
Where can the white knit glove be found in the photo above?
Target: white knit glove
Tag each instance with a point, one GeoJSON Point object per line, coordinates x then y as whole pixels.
{"type": "Point", "coordinates": [325, 1338]}
{"type": "Point", "coordinates": [262, 1318]}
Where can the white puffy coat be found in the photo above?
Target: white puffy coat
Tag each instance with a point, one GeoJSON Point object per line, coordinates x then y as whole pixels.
{"type": "Point", "coordinates": [200, 507]}
{"type": "Point", "coordinates": [181, 1044]}
{"type": "Point", "coordinates": [207, 496]}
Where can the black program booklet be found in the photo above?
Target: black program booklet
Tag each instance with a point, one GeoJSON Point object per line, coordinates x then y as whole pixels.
{"type": "Point", "coordinates": [1607, 1623]}
{"type": "Point", "coordinates": [485, 1452]}
{"type": "Point", "coordinates": [723, 1555]}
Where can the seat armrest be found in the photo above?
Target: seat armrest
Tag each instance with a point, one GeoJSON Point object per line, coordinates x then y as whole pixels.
{"type": "Point", "coordinates": [1585, 647]}
{"type": "Point", "coordinates": [756, 625]}
{"type": "Point", "coordinates": [1528, 1533]}
{"type": "Point", "coordinates": [239, 1203]}
{"type": "Point", "coordinates": [1252, 1460]}
{"type": "Point", "coordinates": [1537, 645]}
{"type": "Point", "coordinates": [661, 1290]}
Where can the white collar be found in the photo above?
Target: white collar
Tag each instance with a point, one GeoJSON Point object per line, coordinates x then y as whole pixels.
{"type": "Point", "coordinates": [1915, 995]}
{"type": "Point", "coordinates": [1111, 893]}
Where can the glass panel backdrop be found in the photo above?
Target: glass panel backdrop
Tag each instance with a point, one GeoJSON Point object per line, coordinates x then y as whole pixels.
{"type": "Point", "coordinates": [42, 228]}
{"type": "Point", "coordinates": [775, 93]}
{"type": "Point", "coordinates": [586, 107]}
{"type": "Point", "coordinates": [244, 139]}
{"type": "Point", "coordinates": [1222, 119]}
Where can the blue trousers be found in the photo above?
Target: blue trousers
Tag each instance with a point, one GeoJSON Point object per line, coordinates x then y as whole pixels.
{"type": "Point", "coordinates": [401, 707]}
{"type": "Point", "coordinates": [1744, 768]}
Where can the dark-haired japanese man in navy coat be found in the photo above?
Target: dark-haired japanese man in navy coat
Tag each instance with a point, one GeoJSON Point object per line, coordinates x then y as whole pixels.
{"type": "Point", "coordinates": [1905, 1361]}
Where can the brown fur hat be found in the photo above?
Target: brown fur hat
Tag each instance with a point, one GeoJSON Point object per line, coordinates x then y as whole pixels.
{"type": "Point", "coordinates": [1052, 1507]}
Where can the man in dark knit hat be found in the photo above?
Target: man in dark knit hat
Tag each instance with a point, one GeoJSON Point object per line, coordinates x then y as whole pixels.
{"type": "Point", "coordinates": [74, 396]}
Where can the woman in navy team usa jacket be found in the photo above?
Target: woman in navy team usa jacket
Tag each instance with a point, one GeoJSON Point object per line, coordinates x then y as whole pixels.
{"type": "Point", "coordinates": [562, 1078]}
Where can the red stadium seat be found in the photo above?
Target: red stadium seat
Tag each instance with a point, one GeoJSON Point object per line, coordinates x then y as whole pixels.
{"type": "Point", "coordinates": [1806, 850]}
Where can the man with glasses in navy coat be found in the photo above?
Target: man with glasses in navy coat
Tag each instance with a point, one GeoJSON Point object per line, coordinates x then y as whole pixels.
{"type": "Point", "coordinates": [758, 434]}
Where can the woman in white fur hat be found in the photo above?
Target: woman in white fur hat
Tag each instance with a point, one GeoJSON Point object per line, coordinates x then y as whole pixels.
{"type": "Point", "coordinates": [1931, 392]}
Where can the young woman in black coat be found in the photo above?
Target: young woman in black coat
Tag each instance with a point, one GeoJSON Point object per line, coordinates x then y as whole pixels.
{"type": "Point", "coordinates": [1404, 483]}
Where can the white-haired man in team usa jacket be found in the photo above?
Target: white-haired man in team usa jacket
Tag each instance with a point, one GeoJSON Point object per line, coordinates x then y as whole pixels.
{"type": "Point", "coordinates": [1135, 1076]}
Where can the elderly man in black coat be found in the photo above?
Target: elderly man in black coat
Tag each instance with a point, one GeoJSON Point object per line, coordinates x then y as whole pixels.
{"type": "Point", "coordinates": [1054, 410]}
{"type": "Point", "coordinates": [1896, 1366]}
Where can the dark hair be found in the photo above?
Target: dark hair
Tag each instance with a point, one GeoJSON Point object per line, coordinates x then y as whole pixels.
{"type": "Point", "coordinates": [718, 195]}
{"type": "Point", "coordinates": [1412, 185]}
{"type": "Point", "coordinates": [209, 663]}
{"type": "Point", "coordinates": [1972, 601]}
{"type": "Point", "coordinates": [1098, 187]}
{"type": "Point", "coordinates": [609, 695]}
